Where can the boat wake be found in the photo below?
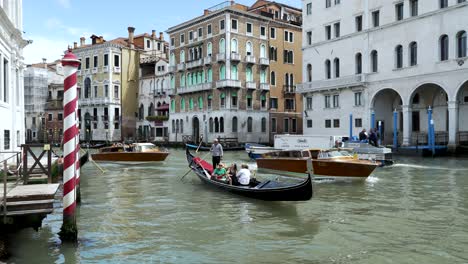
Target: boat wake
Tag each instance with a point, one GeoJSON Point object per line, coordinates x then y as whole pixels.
{"type": "Point", "coordinates": [423, 167]}
{"type": "Point", "coordinates": [372, 179]}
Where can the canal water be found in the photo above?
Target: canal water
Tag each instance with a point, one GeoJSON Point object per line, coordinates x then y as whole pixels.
{"type": "Point", "coordinates": [413, 212]}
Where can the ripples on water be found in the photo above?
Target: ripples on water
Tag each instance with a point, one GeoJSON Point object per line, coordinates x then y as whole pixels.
{"type": "Point", "coordinates": [413, 212]}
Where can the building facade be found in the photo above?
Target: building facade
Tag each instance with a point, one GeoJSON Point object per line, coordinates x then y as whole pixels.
{"type": "Point", "coordinates": [377, 59]}
{"type": "Point", "coordinates": [220, 69]}
{"type": "Point", "coordinates": [11, 76]}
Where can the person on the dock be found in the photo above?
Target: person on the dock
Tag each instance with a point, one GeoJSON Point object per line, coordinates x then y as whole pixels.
{"type": "Point", "coordinates": [363, 135]}
{"type": "Point", "coordinates": [243, 176]}
{"type": "Point", "coordinates": [216, 153]}
{"type": "Point", "coordinates": [373, 138]}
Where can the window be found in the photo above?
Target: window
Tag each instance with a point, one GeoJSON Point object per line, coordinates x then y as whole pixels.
{"type": "Point", "coordinates": [222, 98]}
{"type": "Point", "coordinates": [327, 101]}
{"type": "Point", "coordinates": [248, 48]}
{"type": "Point", "coordinates": [399, 11]}
{"type": "Point", "coordinates": [309, 9]}
{"type": "Point", "coordinates": [288, 56]}
{"type": "Point", "coordinates": [87, 88]}
{"type": "Point", "coordinates": [327, 69]}
{"type": "Point", "coordinates": [234, 124]}
{"type": "Point", "coordinates": [234, 100]}
{"type": "Point", "coordinates": [444, 47]}
{"type": "Point", "coordinates": [249, 28]}
{"type": "Point", "coordinates": [234, 46]}
{"type": "Point", "coordinates": [294, 125]}
{"type": "Point", "coordinates": [309, 103]}
{"type": "Point", "coordinates": [413, 8]}
{"type": "Point", "coordinates": [6, 142]}
{"type": "Point", "coordinates": [358, 99]}
{"type": "Point", "coordinates": [249, 125]}
{"type": "Point", "coordinates": [327, 3]}
{"type": "Point", "coordinates": [148, 44]}
{"type": "Point", "coordinates": [106, 59]}
{"type": "Point", "coordinates": [116, 92]}
{"type": "Point", "coordinates": [200, 32]}
{"type": "Point", "coordinates": [286, 125]}
{"type": "Point", "coordinates": [222, 72]}
{"type": "Point", "coordinates": [399, 57]}
{"type": "Point", "coordinates": [273, 33]}
{"type": "Point", "coordinates": [264, 123]}
{"type": "Point", "coordinates": [309, 37]}
{"type": "Point", "coordinates": [95, 61]}
{"type": "Point", "coordinates": [263, 51]}
{"type": "Point", "coordinates": [182, 38]}
{"type": "Point", "coordinates": [273, 103]}
{"type": "Point", "coordinates": [358, 59]}
{"type": "Point", "coordinates": [374, 61]}
{"type": "Point", "coordinates": [336, 123]}
{"type": "Point", "coordinates": [172, 44]}
{"type": "Point", "coordinates": [49, 117]}
{"type": "Point", "coordinates": [208, 29]}
{"type": "Point", "coordinates": [263, 101]}
{"type": "Point", "coordinates": [328, 32]}
{"type": "Point", "coordinates": [309, 73]}
{"type": "Point", "coordinates": [336, 62]}
{"type": "Point", "coordinates": [413, 49]}
{"type": "Point", "coordinates": [273, 125]}
{"type": "Point", "coordinates": [262, 31]}
{"type": "Point", "coordinates": [309, 123]}
{"type": "Point", "coordinates": [273, 54]}
{"type": "Point", "coordinates": [443, 3]}
{"type": "Point", "coordinates": [336, 27]}
{"type": "Point", "coordinates": [116, 60]}
{"type": "Point", "coordinates": [376, 18]}
{"type": "Point", "coordinates": [209, 101]}
{"type": "Point", "coordinates": [222, 46]}
{"type": "Point", "coordinates": [249, 101]}
{"type": "Point", "coordinates": [87, 63]}
{"type": "Point", "coordinates": [358, 122]}
{"type": "Point", "coordinates": [288, 36]}
{"type": "Point", "coordinates": [248, 74]}
{"type": "Point", "coordinates": [336, 101]}
{"type": "Point", "coordinates": [95, 91]}
{"type": "Point", "coordinates": [234, 24]}
{"type": "Point", "coordinates": [289, 104]}
{"type": "Point", "coordinates": [358, 22]}
{"type": "Point", "coordinates": [200, 103]}
{"type": "Point", "coordinates": [461, 44]}
{"type": "Point", "coordinates": [273, 78]}
{"type": "Point", "coordinates": [60, 117]}
{"type": "Point", "coordinates": [190, 35]}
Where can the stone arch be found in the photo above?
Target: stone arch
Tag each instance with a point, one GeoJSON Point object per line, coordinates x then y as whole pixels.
{"type": "Point", "coordinates": [384, 102]}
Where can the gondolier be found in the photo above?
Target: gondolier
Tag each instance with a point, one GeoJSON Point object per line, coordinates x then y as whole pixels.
{"type": "Point", "coordinates": [216, 152]}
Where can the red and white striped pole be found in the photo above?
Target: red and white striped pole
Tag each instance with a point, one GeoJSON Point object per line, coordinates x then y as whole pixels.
{"type": "Point", "coordinates": [69, 231]}
{"type": "Point", "coordinates": [78, 148]}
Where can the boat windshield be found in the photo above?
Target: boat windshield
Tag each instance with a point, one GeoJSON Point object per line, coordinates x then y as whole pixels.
{"type": "Point", "coordinates": [334, 154]}
{"type": "Point", "coordinates": [148, 148]}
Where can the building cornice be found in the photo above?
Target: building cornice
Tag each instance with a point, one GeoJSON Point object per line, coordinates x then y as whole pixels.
{"type": "Point", "coordinates": [9, 32]}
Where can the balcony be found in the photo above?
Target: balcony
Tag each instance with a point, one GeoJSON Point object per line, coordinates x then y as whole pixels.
{"type": "Point", "coordinates": [78, 72]}
{"type": "Point", "coordinates": [194, 88]}
{"type": "Point", "coordinates": [98, 101]}
{"type": "Point", "coordinates": [87, 72]}
{"type": "Point", "coordinates": [117, 119]}
{"type": "Point", "coordinates": [221, 57]}
{"type": "Point", "coordinates": [289, 89]}
{"type": "Point", "coordinates": [236, 57]}
{"type": "Point", "coordinates": [342, 82]}
{"type": "Point", "coordinates": [264, 61]}
{"type": "Point", "coordinates": [94, 70]}
{"type": "Point", "coordinates": [207, 60]}
{"type": "Point", "coordinates": [194, 64]}
{"type": "Point", "coordinates": [181, 66]}
{"type": "Point", "coordinates": [105, 69]}
{"type": "Point", "coordinates": [251, 85]}
{"type": "Point", "coordinates": [117, 70]}
{"type": "Point", "coordinates": [250, 59]}
{"type": "Point", "coordinates": [170, 92]}
{"type": "Point", "coordinates": [228, 83]}
{"type": "Point", "coordinates": [264, 86]}
{"type": "Point", "coordinates": [172, 68]}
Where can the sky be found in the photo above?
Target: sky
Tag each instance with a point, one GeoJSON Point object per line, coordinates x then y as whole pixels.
{"type": "Point", "coordinates": [53, 25]}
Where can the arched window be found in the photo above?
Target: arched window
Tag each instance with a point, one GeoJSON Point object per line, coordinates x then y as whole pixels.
{"type": "Point", "coordinates": [461, 44]}
{"type": "Point", "coordinates": [211, 124]}
{"type": "Point", "coordinates": [291, 80]}
{"type": "Point", "coordinates": [444, 47]}
{"type": "Point", "coordinates": [181, 126]}
{"type": "Point", "coordinates": [249, 49]}
{"type": "Point", "coordinates": [209, 49]}
{"type": "Point", "coordinates": [262, 51]}
{"type": "Point", "coordinates": [327, 69]}
{"type": "Point", "coordinates": [234, 124]}
{"type": "Point", "coordinates": [263, 76]}
{"type": "Point", "coordinates": [172, 59]}
{"type": "Point", "coordinates": [374, 61]}
{"type": "Point", "coordinates": [173, 126]}
{"type": "Point", "coordinates": [200, 103]}
{"type": "Point", "coordinates": [182, 80]}
{"type": "Point", "coordinates": [249, 125]}
{"type": "Point", "coordinates": [151, 109]}
{"type": "Point", "coordinates": [234, 73]}
{"type": "Point", "coordinates": [172, 105]}
{"type": "Point", "coordinates": [234, 45]}
{"type": "Point", "coordinates": [272, 78]}
{"type": "Point", "coordinates": [263, 125]}
{"type": "Point", "coordinates": [222, 72]}
{"type": "Point", "coordinates": [286, 79]}
{"type": "Point", "coordinates": [336, 62]}
{"type": "Point", "coordinates": [182, 56]}
{"type": "Point", "coordinates": [177, 126]}
{"type": "Point", "coordinates": [87, 88]}
{"type": "Point", "coordinates": [221, 125]}
{"type": "Point", "coordinates": [413, 49]}
{"type": "Point", "coordinates": [222, 46]}
{"type": "Point", "coordinates": [216, 125]}
{"type": "Point", "coordinates": [309, 72]}
{"type": "Point", "coordinates": [172, 82]}
{"type": "Point", "coordinates": [399, 57]}
{"type": "Point", "coordinates": [210, 75]}
{"type": "Point", "coordinates": [248, 74]}
{"type": "Point", "coordinates": [358, 59]}
{"type": "Point", "coordinates": [141, 112]}
{"type": "Point", "coordinates": [191, 104]}
{"type": "Point", "coordinates": [182, 104]}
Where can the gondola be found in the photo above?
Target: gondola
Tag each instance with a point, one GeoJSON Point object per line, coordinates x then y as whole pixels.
{"type": "Point", "coordinates": [268, 190]}
{"type": "Point", "coordinates": [206, 148]}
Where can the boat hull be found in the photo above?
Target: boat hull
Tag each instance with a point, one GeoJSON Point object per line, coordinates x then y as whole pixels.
{"type": "Point", "coordinates": [130, 157]}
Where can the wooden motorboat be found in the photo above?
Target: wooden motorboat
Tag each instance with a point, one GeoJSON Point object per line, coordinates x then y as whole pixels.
{"type": "Point", "coordinates": [137, 152]}
{"type": "Point", "coordinates": [331, 163]}
{"type": "Point", "coordinates": [256, 151]}
{"type": "Point", "coordinates": [269, 190]}
{"type": "Point", "coordinates": [207, 148]}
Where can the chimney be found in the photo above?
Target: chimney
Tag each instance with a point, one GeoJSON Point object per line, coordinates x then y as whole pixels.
{"type": "Point", "coordinates": [75, 45]}
{"type": "Point", "coordinates": [131, 33]}
{"type": "Point", "coordinates": [153, 34]}
{"type": "Point", "coordinates": [82, 41]}
{"type": "Point", "coordinates": [161, 36]}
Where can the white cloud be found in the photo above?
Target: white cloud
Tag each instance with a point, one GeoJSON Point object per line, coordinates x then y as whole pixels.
{"type": "Point", "coordinates": [51, 49]}
{"type": "Point", "coordinates": [64, 3]}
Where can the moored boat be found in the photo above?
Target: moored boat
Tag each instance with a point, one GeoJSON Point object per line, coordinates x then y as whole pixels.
{"type": "Point", "coordinates": [255, 150]}
{"type": "Point", "coordinates": [137, 152]}
{"type": "Point", "coordinates": [269, 190]}
{"type": "Point", "coordinates": [333, 164]}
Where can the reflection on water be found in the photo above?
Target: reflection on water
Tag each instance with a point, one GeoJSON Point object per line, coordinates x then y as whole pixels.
{"type": "Point", "coordinates": [414, 212]}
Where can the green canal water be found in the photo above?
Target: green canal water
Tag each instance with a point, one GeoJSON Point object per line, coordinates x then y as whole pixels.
{"type": "Point", "coordinates": [413, 212]}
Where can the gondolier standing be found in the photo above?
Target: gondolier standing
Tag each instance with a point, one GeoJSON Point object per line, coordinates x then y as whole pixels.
{"type": "Point", "coordinates": [216, 152]}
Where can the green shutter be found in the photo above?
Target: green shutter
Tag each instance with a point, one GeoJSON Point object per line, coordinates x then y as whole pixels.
{"type": "Point", "coordinates": [233, 94]}
{"type": "Point", "coordinates": [263, 97]}
{"type": "Point", "coordinates": [172, 105]}
{"type": "Point", "coordinates": [249, 96]}
{"type": "Point", "coordinates": [191, 104]}
{"type": "Point", "coordinates": [210, 97]}
{"type": "Point", "coordinates": [223, 95]}
{"type": "Point", "coordinates": [182, 104]}
{"type": "Point", "coordinates": [200, 102]}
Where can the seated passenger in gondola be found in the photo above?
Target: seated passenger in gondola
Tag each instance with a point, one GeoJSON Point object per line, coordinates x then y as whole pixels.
{"type": "Point", "coordinates": [231, 175]}
{"type": "Point", "coordinates": [243, 176]}
{"type": "Point", "coordinates": [219, 172]}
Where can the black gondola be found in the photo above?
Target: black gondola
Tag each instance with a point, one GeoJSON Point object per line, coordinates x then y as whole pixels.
{"type": "Point", "coordinates": [268, 190]}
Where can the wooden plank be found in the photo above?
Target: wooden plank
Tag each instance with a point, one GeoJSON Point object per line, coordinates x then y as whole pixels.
{"type": "Point", "coordinates": [34, 202]}
{"type": "Point", "coordinates": [29, 212]}
{"type": "Point", "coordinates": [33, 190]}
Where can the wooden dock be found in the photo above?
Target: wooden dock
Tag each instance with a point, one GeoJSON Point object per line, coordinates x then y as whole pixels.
{"type": "Point", "coordinates": [29, 199]}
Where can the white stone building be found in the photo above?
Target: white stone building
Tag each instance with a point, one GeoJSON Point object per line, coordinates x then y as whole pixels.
{"type": "Point", "coordinates": [365, 56]}
{"type": "Point", "coordinates": [11, 76]}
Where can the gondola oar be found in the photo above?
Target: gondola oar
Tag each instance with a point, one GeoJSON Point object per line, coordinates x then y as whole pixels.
{"type": "Point", "coordinates": [190, 169]}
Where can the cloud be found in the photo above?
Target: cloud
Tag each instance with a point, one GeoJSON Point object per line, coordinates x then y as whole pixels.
{"type": "Point", "coordinates": [64, 3]}
{"type": "Point", "coordinates": [51, 49]}
{"type": "Point", "coordinates": [56, 25]}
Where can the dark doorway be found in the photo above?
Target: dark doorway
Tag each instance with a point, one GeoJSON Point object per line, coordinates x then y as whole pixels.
{"type": "Point", "coordinates": [196, 129]}
{"type": "Point", "coordinates": [416, 121]}
{"type": "Point", "coordinates": [88, 131]}
{"type": "Point", "coordinates": [381, 131]}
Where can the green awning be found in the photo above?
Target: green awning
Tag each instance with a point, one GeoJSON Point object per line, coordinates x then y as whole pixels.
{"type": "Point", "coordinates": [223, 95]}
{"type": "Point", "coordinates": [234, 94]}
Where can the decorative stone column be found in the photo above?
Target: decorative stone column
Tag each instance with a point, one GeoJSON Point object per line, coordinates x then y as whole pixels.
{"type": "Point", "coordinates": [453, 125]}
{"type": "Point", "coordinates": [407, 124]}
